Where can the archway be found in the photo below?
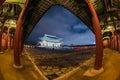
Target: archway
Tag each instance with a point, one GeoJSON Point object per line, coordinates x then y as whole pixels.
{"type": "Point", "coordinates": [75, 6]}
{"type": "Point", "coordinates": [59, 25]}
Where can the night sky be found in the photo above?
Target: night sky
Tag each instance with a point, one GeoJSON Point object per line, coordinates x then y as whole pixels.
{"type": "Point", "coordinates": [60, 22]}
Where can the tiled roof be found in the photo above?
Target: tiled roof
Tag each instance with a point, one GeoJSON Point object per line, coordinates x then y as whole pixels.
{"type": "Point", "coordinates": [50, 38]}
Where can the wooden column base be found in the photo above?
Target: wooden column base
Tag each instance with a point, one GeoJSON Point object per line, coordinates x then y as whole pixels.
{"type": "Point", "coordinates": [1, 52]}
{"type": "Point", "coordinates": [93, 72]}
{"type": "Point", "coordinates": [17, 67]}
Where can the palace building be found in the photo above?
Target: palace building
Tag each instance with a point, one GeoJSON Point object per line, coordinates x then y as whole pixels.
{"type": "Point", "coordinates": [49, 41]}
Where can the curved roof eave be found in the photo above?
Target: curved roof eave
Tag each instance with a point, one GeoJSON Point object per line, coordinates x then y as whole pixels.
{"type": "Point", "coordinates": [37, 8]}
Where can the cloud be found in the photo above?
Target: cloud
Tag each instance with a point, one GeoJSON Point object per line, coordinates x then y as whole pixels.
{"type": "Point", "coordinates": [80, 39]}
{"type": "Point", "coordinates": [79, 28]}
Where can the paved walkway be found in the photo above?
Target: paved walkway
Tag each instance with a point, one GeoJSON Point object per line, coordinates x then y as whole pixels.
{"type": "Point", "coordinates": [111, 64]}
{"type": "Point", "coordinates": [7, 72]}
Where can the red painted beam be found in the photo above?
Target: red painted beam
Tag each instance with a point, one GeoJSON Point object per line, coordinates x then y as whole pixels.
{"type": "Point", "coordinates": [1, 2]}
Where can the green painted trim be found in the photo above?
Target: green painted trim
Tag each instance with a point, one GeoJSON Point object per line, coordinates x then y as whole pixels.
{"type": "Point", "coordinates": [12, 1]}
{"type": "Point", "coordinates": [118, 28]}
{"type": "Point", "coordinates": [15, 1]}
{"type": "Point", "coordinates": [107, 37]}
{"type": "Point", "coordinates": [9, 22]}
{"type": "Point", "coordinates": [103, 31]}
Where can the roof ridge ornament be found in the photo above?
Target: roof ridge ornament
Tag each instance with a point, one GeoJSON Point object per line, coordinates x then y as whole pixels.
{"type": "Point", "coordinates": [49, 35]}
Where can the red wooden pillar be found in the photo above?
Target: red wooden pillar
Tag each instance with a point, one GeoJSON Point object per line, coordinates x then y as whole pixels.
{"type": "Point", "coordinates": [7, 36]}
{"type": "Point", "coordinates": [1, 32]}
{"type": "Point", "coordinates": [17, 39]}
{"type": "Point", "coordinates": [21, 41]}
{"type": "Point", "coordinates": [10, 42]}
{"type": "Point", "coordinates": [108, 42]}
{"type": "Point", "coordinates": [117, 37]}
{"type": "Point", "coordinates": [112, 40]}
{"type": "Point", "coordinates": [1, 40]}
{"type": "Point", "coordinates": [98, 37]}
{"type": "Point", "coordinates": [117, 42]}
{"type": "Point", "coordinates": [16, 42]}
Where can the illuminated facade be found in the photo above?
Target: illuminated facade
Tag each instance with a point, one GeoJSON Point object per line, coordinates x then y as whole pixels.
{"type": "Point", "coordinates": [49, 41]}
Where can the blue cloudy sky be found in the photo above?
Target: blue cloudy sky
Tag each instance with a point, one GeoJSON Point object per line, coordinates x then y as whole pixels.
{"type": "Point", "coordinates": [60, 22]}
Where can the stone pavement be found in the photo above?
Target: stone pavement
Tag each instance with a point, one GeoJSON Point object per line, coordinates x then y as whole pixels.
{"type": "Point", "coordinates": [111, 64]}
{"type": "Point", "coordinates": [7, 72]}
{"type": "Point", "coordinates": [54, 64]}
